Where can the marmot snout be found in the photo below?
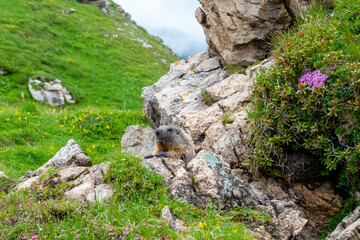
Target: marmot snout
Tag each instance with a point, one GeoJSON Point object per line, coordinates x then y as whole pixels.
{"type": "Point", "coordinates": [173, 142]}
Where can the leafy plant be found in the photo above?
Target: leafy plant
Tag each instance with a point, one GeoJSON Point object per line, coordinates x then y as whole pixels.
{"type": "Point", "coordinates": [311, 99]}
{"type": "Point", "coordinates": [208, 98]}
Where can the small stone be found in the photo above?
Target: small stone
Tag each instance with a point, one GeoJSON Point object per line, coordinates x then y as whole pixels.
{"type": "Point", "coordinates": [175, 223]}
{"type": "Point", "coordinates": [2, 175]}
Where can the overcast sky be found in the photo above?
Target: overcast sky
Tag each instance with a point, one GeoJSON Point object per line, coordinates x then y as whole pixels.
{"type": "Point", "coordinates": [173, 20]}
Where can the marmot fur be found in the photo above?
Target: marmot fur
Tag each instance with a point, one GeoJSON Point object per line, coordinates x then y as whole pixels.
{"type": "Point", "coordinates": [173, 142]}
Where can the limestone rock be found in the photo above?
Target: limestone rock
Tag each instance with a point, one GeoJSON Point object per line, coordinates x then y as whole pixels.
{"type": "Point", "coordinates": [102, 4]}
{"type": "Point", "coordinates": [2, 175]}
{"type": "Point", "coordinates": [139, 141]}
{"type": "Point", "coordinates": [51, 92]}
{"type": "Point", "coordinates": [349, 228]}
{"type": "Point", "coordinates": [74, 168]}
{"type": "Point", "coordinates": [177, 98]}
{"type": "Point", "coordinates": [28, 183]}
{"type": "Point", "coordinates": [209, 180]}
{"type": "Point", "coordinates": [175, 223]}
{"type": "Point", "coordinates": [238, 30]}
{"type": "Point", "coordinates": [120, 10]}
{"type": "Point", "coordinates": [70, 155]}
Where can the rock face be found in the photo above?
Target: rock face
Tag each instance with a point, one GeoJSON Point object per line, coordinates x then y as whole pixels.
{"type": "Point", "coordinates": [348, 229]}
{"type": "Point", "coordinates": [218, 128]}
{"type": "Point", "coordinates": [51, 92]}
{"type": "Point", "coordinates": [76, 169]}
{"type": "Point", "coordinates": [138, 141]}
{"type": "Point", "coordinates": [209, 180]}
{"type": "Point", "coordinates": [177, 98]}
{"type": "Point", "coordinates": [238, 30]}
{"type": "Point", "coordinates": [102, 4]}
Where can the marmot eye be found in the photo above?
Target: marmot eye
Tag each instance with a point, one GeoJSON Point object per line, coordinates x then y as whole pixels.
{"type": "Point", "coordinates": [169, 130]}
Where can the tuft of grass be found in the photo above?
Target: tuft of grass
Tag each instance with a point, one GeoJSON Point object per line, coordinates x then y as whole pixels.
{"type": "Point", "coordinates": [208, 98]}
{"type": "Point", "coordinates": [225, 118]}
{"type": "Point", "coordinates": [235, 68]}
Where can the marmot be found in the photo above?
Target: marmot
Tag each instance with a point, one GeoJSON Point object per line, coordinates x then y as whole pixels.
{"type": "Point", "coordinates": [173, 142]}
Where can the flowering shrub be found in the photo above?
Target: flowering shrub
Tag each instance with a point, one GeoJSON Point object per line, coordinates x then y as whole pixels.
{"type": "Point", "coordinates": [310, 101]}
{"type": "Point", "coordinates": [313, 79]}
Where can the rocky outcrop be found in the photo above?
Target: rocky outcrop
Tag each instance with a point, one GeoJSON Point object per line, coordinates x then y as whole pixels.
{"type": "Point", "coordinates": [74, 168]}
{"type": "Point", "coordinates": [102, 4]}
{"type": "Point", "coordinates": [219, 127]}
{"type": "Point", "coordinates": [209, 180]}
{"type": "Point", "coordinates": [349, 228]}
{"type": "Point", "coordinates": [238, 30]}
{"type": "Point", "coordinates": [178, 98]}
{"type": "Point", "coordinates": [52, 92]}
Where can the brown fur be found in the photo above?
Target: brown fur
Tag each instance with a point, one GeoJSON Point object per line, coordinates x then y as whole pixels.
{"type": "Point", "coordinates": [177, 144]}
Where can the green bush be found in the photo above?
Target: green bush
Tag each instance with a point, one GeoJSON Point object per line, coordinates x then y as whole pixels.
{"type": "Point", "coordinates": [310, 100]}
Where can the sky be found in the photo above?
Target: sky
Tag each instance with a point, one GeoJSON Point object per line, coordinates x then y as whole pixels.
{"type": "Point", "coordinates": [173, 20]}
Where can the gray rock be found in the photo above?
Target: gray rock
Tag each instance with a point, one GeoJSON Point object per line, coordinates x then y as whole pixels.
{"type": "Point", "coordinates": [177, 99]}
{"type": "Point", "coordinates": [237, 30]}
{"type": "Point", "coordinates": [2, 175]}
{"type": "Point", "coordinates": [120, 10]}
{"type": "Point", "coordinates": [139, 141]}
{"type": "Point", "coordinates": [349, 228]}
{"type": "Point", "coordinates": [51, 92]}
{"type": "Point", "coordinates": [301, 212]}
{"type": "Point", "coordinates": [102, 4]}
{"type": "Point", "coordinates": [74, 168]}
{"type": "Point", "coordinates": [28, 183]}
{"type": "Point", "coordinates": [70, 155]}
{"type": "Point", "coordinates": [175, 223]}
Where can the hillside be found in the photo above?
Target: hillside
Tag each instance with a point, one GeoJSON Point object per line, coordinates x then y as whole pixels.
{"type": "Point", "coordinates": [277, 139]}
{"type": "Point", "coordinates": [105, 60]}
{"type": "Point", "coordinates": [87, 49]}
{"type": "Point", "coordinates": [97, 56]}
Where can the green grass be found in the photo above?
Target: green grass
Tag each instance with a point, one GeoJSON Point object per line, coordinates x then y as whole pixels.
{"type": "Point", "coordinates": [106, 77]}
{"type": "Point", "coordinates": [31, 133]}
{"type": "Point", "coordinates": [140, 196]}
{"type": "Point", "coordinates": [35, 36]}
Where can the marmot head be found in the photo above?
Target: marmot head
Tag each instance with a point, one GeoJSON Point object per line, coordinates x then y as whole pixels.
{"type": "Point", "coordinates": [168, 134]}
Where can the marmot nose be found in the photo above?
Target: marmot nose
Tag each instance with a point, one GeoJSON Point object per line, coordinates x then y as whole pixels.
{"type": "Point", "coordinates": [157, 132]}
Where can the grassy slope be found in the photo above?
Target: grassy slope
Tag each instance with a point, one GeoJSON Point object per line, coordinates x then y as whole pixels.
{"type": "Point", "coordinates": [37, 36]}
{"type": "Point", "coordinates": [103, 74]}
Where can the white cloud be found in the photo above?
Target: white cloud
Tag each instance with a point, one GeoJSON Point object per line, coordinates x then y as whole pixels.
{"type": "Point", "coordinates": [172, 20]}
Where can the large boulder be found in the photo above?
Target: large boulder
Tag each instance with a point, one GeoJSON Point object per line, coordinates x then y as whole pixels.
{"type": "Point", "coordinates": [76, 169]}
{"type": "Point", "coordinates": [238, 30]}
{"type": "Point", "coordinates": [209, 180]}
{"type": "Point", "coordinates": [219, 128]}
{"type": "Point", "coordinates": [52, 92]}
{"type": "Point", "coordinates": [178, 98]}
